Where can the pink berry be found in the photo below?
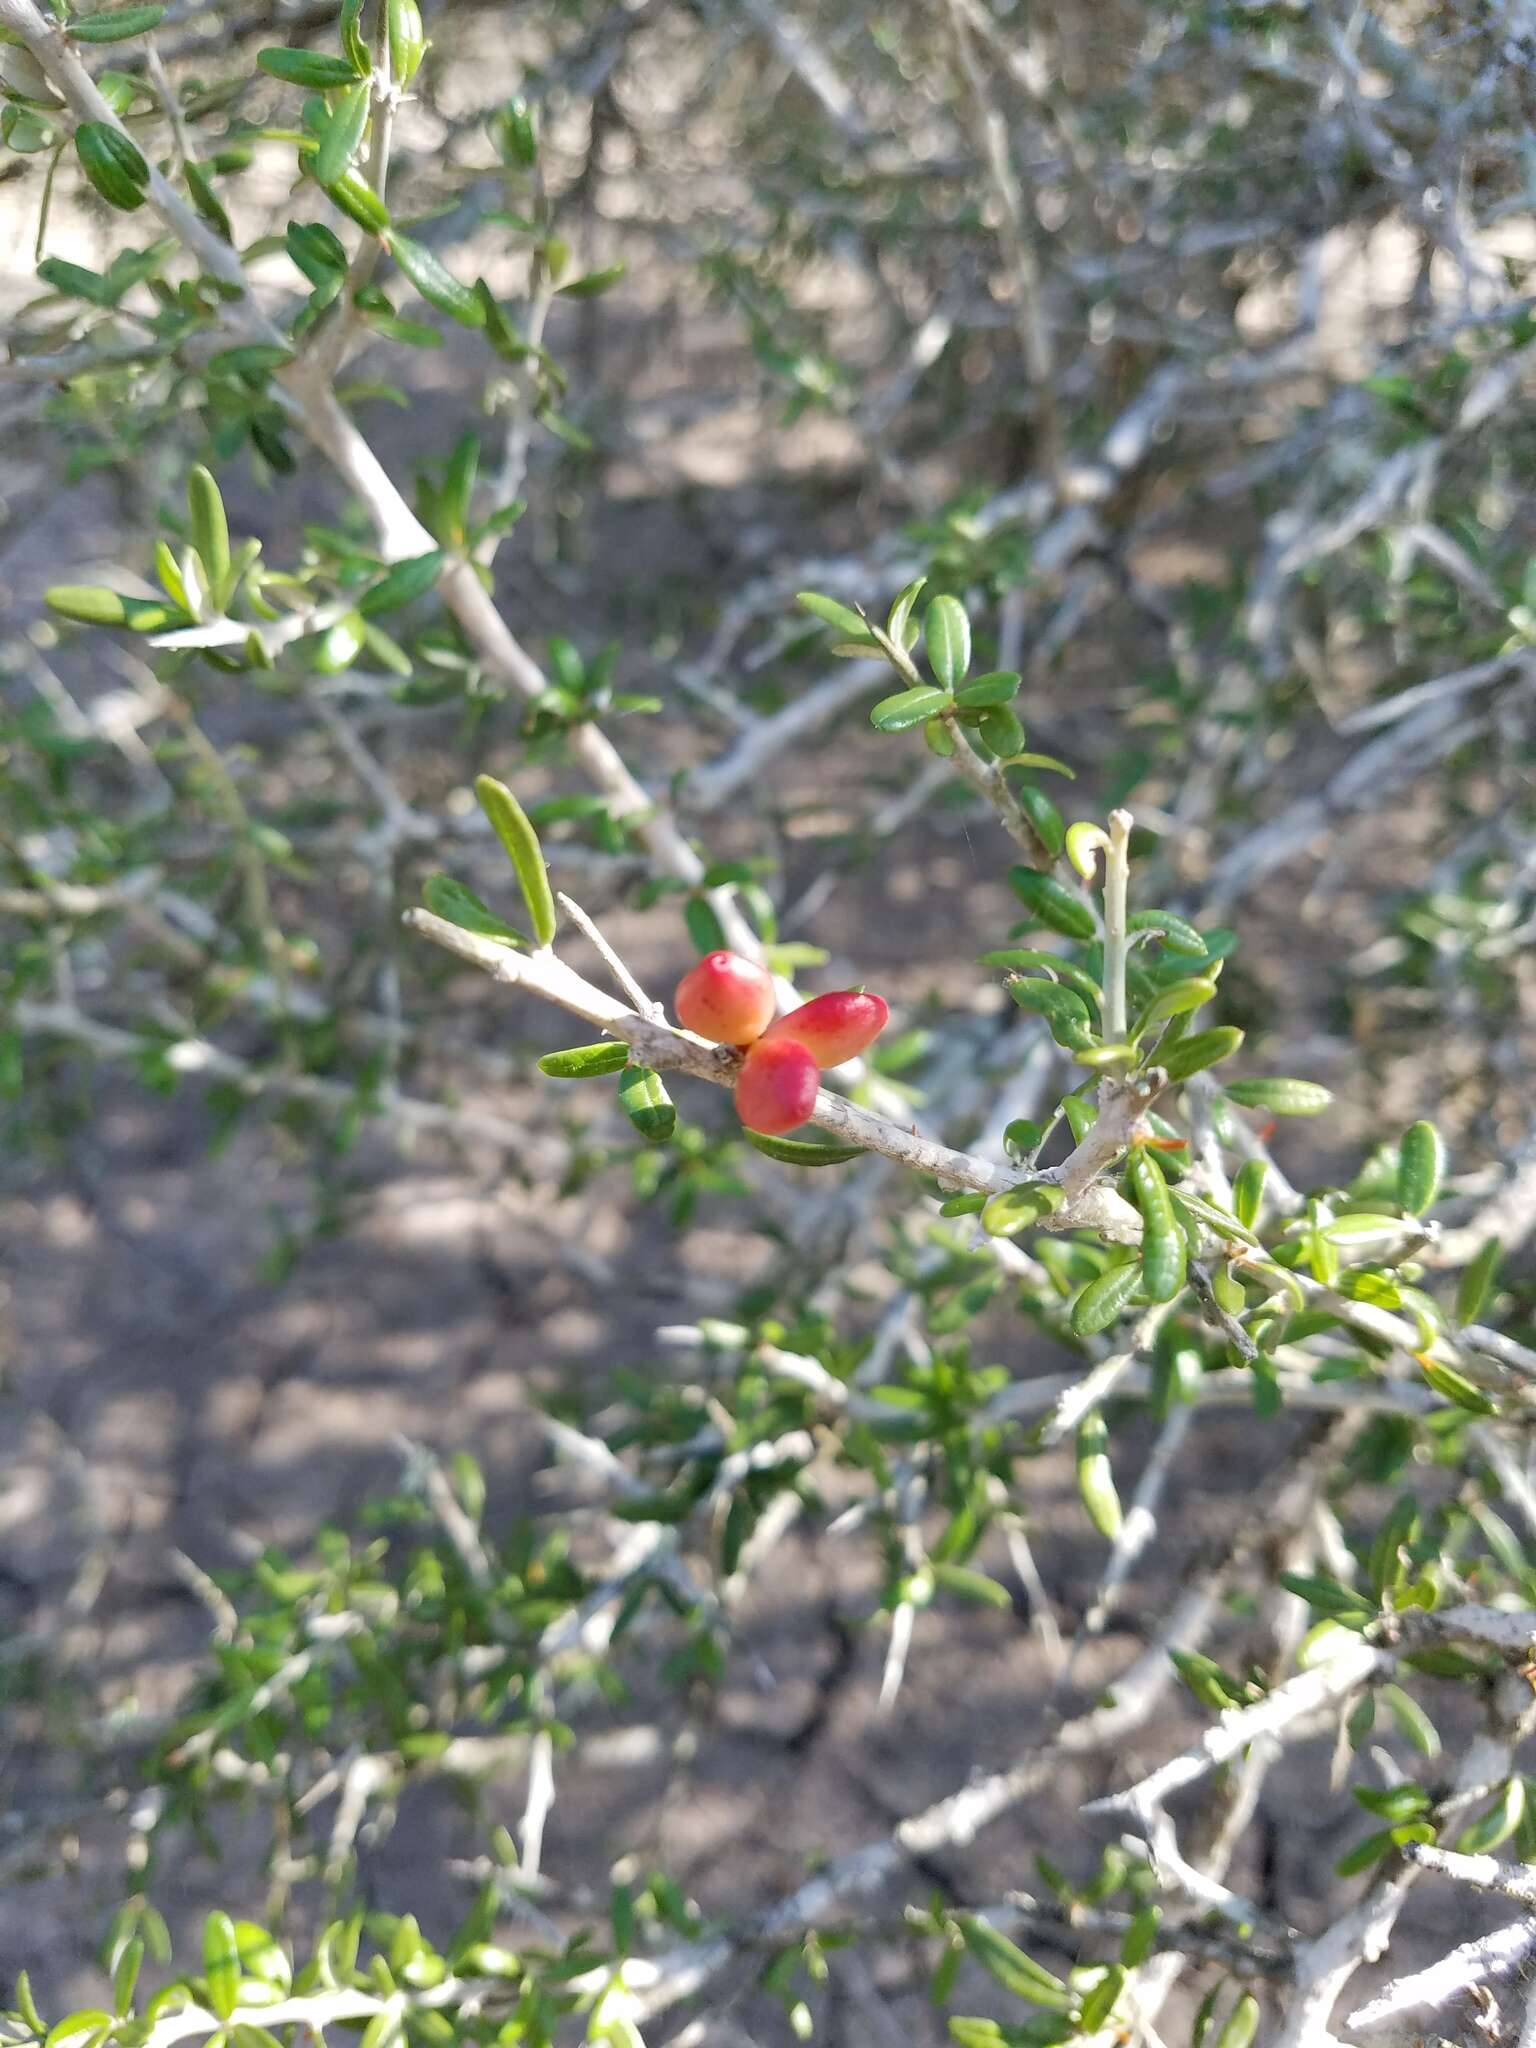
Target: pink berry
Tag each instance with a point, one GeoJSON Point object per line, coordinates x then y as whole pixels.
{"type": "Point", "coordinates": [725, 998]}
{"type": "Point", "coordinates": [835, 1027]}
{"type": "Point", "coordinates": [776, 1088]}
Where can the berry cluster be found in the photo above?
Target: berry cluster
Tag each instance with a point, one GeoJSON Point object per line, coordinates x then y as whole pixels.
{"type": "Point", "coordinates": [730, 1001]}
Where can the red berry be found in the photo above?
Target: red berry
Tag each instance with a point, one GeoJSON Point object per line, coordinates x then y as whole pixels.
{"type": "Point", "coordinates": [725, 998]}
{"type": "Point", "coordinates": [835, 1027]}
{"type": "Point", "coordinates": [776, 1088]}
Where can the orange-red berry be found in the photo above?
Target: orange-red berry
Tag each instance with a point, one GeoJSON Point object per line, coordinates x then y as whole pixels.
{"type": "Point", "coordinates": [776, 1088]}
{"type": "Point", "coordinates": [725, 998]}
{"type": "Point", "coordinates": [835, 1027]}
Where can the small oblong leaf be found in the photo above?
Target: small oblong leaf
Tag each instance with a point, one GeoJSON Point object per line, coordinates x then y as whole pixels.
{"type": "Point", "coordinates": [1051, 904]}
{"type": "Point", "coordinates": [906, 709]}
{"type": "Point", "coordinates": [402, 584]}
{"type": "Point", "coordinates": [113, 164]}
{"type": "Point", "coordinates": [91, 605]}
{"type": "Point", "coordinates": [1049, 825]}
{"type": "Point", "coordinates": [647, 1104]}
{"type": "Point", "coordinates": [221, 1963]}
{"type": "Point", "coordinates": [407, 40]}
{"type": "Point", "coordinates": [1420, 1168]}
{"type": "Point", "coordinates": [1023, 958]}
{"type": "Point", "coordinates": [582, 1062]}
{"type": "Point", "coordinates": [1174, 1002]}
{"type": "Point", "coordinates": [1095, 1476]}
{"type": "Point", "coordinates": [1248, 1190]}
{"type": "Point", "coordinates": [359, 202]}
{"type": "Point", "coordinates": [1281, 1095]}
{"type": "Point", "coordinates": [1014, 1970]}
{"type": "Point", "coordinates": [1193, 1055]}
{"type": "Point", "coordinates": [510, 823]}
{"type": "Point", "coordinates": [1175, 932]}
{"type": "Point", "coordinates": [450, 900]}
{"type": "Point", "coordinates": [947, 637]}
{"type": "Point", "coordinates": [1001, 686]}
{"type": "Point", "coordinates": [1163, 1251]}
{"type": "Point", "coordinates": [113, 24]}
{"type": "Point", "coordinates": [1019, 1208]}
{"type": "Point", "coordinates": [1472, 1291]}
{"type": "Point", "coordinates": [437, 283]}
{"type": "Point", "coordinates": [210, 531]}
{"type": "Point", "coordinates": [831, 613]}
{"type": "Point", "coordinates": [314, 69]}
{"type": "Point", "coordinates": [1102, 1300]}
{"type": "Point", "coordinates": [343, 132]}
{"type": "Point", "coordinates": [801, 1152]}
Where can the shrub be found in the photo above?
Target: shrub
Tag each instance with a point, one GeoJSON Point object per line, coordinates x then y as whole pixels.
{"type": "Point", "coordinates": [1090, 1135]}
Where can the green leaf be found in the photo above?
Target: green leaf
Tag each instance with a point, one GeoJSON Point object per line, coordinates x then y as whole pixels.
{"type": "Point", "coordinates": [1019, 1208]}
{"type": "Point", "coordinates": [1174, 1002]}
{"type": "Point", "coordinates": [91, 605]}
{"type": "Point", "coordinates": [1284, 1097]}
{"type": "Point", "coordinates": [459, 481]}
{"type": "Point", "coordinates": [1053, 905]}
{"type": "Point", "coordinates": [113, 164]}
{"type": "Point", "coordinates": [582, 1062]}
{"type": "Point", "coordinates": [1476, 1281]}
{"type": "Point", "coordinates": [221, 1963]}
{"type": "Point", "coordinates": [1242, 2024]}
{"type": "Point", "coordinates": [310, 68]}
{"type": "Point", "coordinates": [125, 1976]}
{"type": "Point", "coordinates": [316, 250]}
{"type": "Point", "coordinates": [802, 1152]}
{"type": "Point", "coordinates": [1498, 1823]}
{"type": "Point", "coordinates": [1101, 2000]}
{"type": "Point", "coordinates": [210, 206]}
{"type": "Point", "coordinates": [402, 584]}
{"type": "Point", "coordinates": [1014, 1970]}
{"type": "Point", "coordinates": [1102, 1300]}
{"type": "Point", "coordinates": [1000, 686]}
{"type": "Point", "coordinates": [831, 613]}
{"type": "Point", "coordinates": [76, 282]}
{"type": "Point", "coordinates": [210, 533]}
{"type": "Point", "coordinates": [510, 823]}
{"type": "Point", "coordinates": [970, 1585]}
{"type": "Point", "coordinates": [1452, 1386]}
{"type": "Point", "coordinates": [91, 2021]}
{"type": "Point", "coordinates": [1062, 1008]}
{"type": "Point", "coordinates": [407, 40]}
{"type": "Point", "coordinates": [1049, 825]}
{"type": "Point", "coordinates": [898, 624]}
{"type": "Point", "coordinates": [1163, 1250]}
{"type": "Point", "coordinates": [1001, 731]}
{"type": "Point", "coordinates": [1193, 1055]}
{"type": "Point", "coordinates": [1248, 1190]}
{"type": "Point", "coordinates": [947, 636]}
{"type": "Point", "coordinates": [1420, 1168]}
{"type": "Point", "coordinates": [1175, 932]}
{"type": "Point", "coordinates": [595, 283]}
{"type": "Point", "coordinates": [113, 24]}
{"type": "Point", "coordinates": [906, 709]}
{"type": "Point", "coordinates": [1412, 1720]}
{"type": "Point", "coordinates": [647, 1104]}
{"type": "Point", "coordinates": [1095, 1476]}
{"type": "Point", "coordinates": [1022, 958]}
{"type": "Point", "coordinates": [1214, 1218]}
{"type": "Point", "coordinates": [343, 132]}
{"type": "Point", "coordinates": [450, 900]}
{"type": "Point", "coordinates": [1327, 1596]}
{"type": "Point", "coordinates": [359, 202]}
